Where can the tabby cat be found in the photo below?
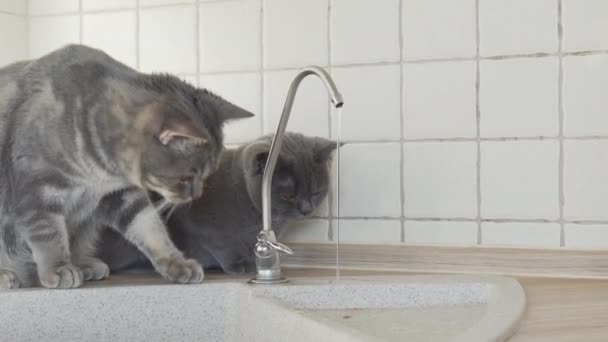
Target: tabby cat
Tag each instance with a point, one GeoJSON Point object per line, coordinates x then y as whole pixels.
{"type": "Point", "coordinates": [83, 138]}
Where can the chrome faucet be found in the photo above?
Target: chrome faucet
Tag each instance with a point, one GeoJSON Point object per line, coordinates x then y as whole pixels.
{"type": "Point", "coordinates": [267, 248]}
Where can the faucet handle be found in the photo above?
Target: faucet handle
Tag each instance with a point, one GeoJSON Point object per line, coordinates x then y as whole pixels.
{"type": "Point", "coordinates": [267, 245]}
{"type": "Point", "coordinates": [281, 247]}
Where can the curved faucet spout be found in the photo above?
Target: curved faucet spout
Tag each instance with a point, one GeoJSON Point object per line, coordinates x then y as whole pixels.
{"type": "Point", "coordinates": [277, 141]}
{"type": "Point", "coordinates": [268, 269]}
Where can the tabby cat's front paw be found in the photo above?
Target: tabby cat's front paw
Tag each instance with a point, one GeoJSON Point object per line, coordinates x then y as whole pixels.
{"type": "Point", "coordinates": [180, 270]}
{"type": "Point", "coordinates": [63, 277]}
{"type": "Point", "coordinates": [94, 269]}
{"type": "Point", "coordinates": [8, 280]}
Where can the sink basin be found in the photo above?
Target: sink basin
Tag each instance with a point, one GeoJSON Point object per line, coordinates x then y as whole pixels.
{"type": "Point", "coordinates": [395, 308]}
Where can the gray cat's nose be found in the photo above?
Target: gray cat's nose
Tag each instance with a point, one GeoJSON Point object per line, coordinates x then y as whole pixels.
{"type": "Point", "coordinates": [305, 208]}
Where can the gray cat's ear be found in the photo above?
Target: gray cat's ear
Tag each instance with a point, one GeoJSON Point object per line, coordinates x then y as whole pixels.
{"type": "Point", "coordinates": [181, 128]}
{"type": "Point", "coordinates": [324, 150]}
{"type": "Point", "coordinates": [259, 162]}
{"type": "Point", "coordinates": [255, 156]}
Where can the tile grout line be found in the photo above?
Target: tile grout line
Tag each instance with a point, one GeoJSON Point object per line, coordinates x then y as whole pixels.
{"type": "Point", "coordinates": [422, 61]}
{"type": "Point", "coordinates": [111, 10]}
{"type": "Point", "coordinates": [330, 195]}
{"type": "Point", "coordinates": [14, 14]}
{"type": "Point", "coordinates": [560, 97]}
{"type": "Point", "coordinates": [478, 125]}
{"type": "Point", "coordinates": [463, 219]}
{"type": "Point", "coordinates": [137, 53]}
{"type": "Point", "coordinates": [444, 140]}
{"type": "Point", "coordinates": [207, 1]}
{"type": "Point", "coordinates": [401, 123]}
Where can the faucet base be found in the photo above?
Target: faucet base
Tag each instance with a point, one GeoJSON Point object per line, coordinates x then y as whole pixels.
{"type": "Point", "coordinates": [256, 281]}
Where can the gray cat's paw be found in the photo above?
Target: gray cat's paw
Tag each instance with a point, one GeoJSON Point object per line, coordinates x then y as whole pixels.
{"type": "Point", "coordinates": [94, 269]}
{"type": "Point", "coordinates": [180, 270]}
{"type": "Point", "coordinates": [63, 277]}
{"type": "Point", "coordinates": [8, 280]}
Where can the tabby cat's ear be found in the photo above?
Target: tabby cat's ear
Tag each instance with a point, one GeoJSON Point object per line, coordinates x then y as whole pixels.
{"type": "Point", "coordinates": [324, 149]}
{"type": "Point", "coordinates": [177, 127]}
{"type": "Point", "coordinates": [230, 111]}
{"type": "Point", "coordinates": [226, 110]}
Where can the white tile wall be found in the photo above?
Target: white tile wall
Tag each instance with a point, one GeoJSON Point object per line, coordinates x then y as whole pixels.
{"type": "Point", "coordinates": [518, 97]}
{"type": "Point", "coordinates": [585, 25]}
{"type": "Point", "coordinates": [295, 33]}
{"type": "Point", "coordinates": [521, 234]}
{"type": "Point", "coordinates": [370, 180]}
{"type": "Point", "coordinates": [230, 35]}
{"type": "Point", "coordinates": [97, 33]}
{"type": "Point", "coordinates": [438, 28]}
{"type": "Point", "coordinates": [585, 100]}
{"type": "Point", "coordinates": [517, 26]}
{"type": "Point", "coordinates": [307, 231]}
{"type": "Point", "coordinates": [587, 236]}
{"type": "Point", "coordinates": [374, 108]}
{"type": "Point", "coordinates": [18, 7]}
{"type": "Point", "coordinates": [370, 231]}
{"type": "Point", "coordinates": [45, 7]}
{"type": "Point", "coordinates": [468, 121]}
{"type": "Point", "coordinates": [519, 179]}
{"type": "Point", "coordinates": [440, 179]}
{"type": "Point", "coordinates": [439, 100]}
{"type": "Point", "coordinates": [166, 39]}
{"type": "Point", "coordinates": [585, 183]}
{"type": "Point", "coordinates": [440, 233]}
{"type": "Point", "coordinates": [13, 35]}
{"type": "Point", "coordinates": [148, 3]}
{"type": "Point", "coordinates": [364, 31]}
{"type": "Point", "coordinates": [92, 5]}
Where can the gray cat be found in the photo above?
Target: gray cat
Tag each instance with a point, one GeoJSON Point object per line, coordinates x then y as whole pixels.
{"type": "Point", "coordinates": [82, 140]}
{"type": "Point", "coordinates": [219, 229]}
